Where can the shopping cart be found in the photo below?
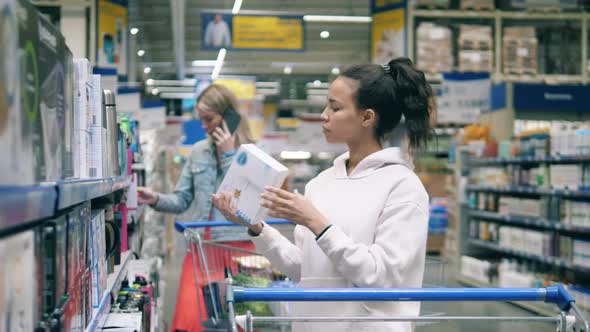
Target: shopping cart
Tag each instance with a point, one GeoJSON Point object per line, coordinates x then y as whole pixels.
{"type": "Point", "coordinates": [553, 294]}
{"type": "Point", "coordinates": [215, 261]}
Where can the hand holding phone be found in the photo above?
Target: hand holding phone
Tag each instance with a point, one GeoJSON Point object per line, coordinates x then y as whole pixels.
{"type": "Point", "coordinates": [224, 139]}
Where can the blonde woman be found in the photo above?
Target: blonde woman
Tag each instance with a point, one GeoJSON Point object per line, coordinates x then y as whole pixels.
{"type": "Point", "coordinates": [202, 174]}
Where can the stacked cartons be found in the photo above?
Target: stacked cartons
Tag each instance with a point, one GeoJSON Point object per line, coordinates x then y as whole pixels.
{"type": "Point", "coordinates": [434, 51]}
{"type": "Point", "coordinates": [520, 51]}
{"type": "Point", "coordinates": [475, 48]}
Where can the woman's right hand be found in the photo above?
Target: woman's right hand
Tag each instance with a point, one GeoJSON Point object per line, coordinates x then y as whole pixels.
{"type": "Point", "coordinates": [146, 196]}
{"type": "Point", "coordinates": [223, 203]}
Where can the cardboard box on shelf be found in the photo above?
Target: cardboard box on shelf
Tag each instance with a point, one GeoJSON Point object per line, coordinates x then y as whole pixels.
{"type": "Point", "coordinates": [520, 50]}
{"type": "Point", "coordinates": [478, 5]}
{"type": "Point", "coordinates": [18, 169]}
{"type": "Point", "coordinates": [52, 96]}
{"type": "Point", "coordinates": [95, 131]}
{"type": "Point", "coordinates": [69, 133]}
{"type": "Point", "coordinates": [82, 114]}
{"type": "Point", "coordinates": [475, 48]}
{"type": "Point", "coordinates": [32, 127]}
{"type": "Point", "coordinates": [251, 171]}
{"type": "Point", "coordinates": [18, 287]}
{"type": "Point", "coordinates": [434, 51]}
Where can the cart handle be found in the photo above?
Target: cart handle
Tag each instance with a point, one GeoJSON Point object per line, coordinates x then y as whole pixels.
{"type": "Point", "coordinates": [181, 226]}
{"type": "Point", "coordinates": [552, 294]}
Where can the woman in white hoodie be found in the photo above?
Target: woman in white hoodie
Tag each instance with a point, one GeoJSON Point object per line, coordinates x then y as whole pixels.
{"type": "Point", "coordinates": [364, 221]}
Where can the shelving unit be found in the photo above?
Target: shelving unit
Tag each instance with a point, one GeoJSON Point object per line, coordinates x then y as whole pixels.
{"type": "Point", "coordinates": [531, 191]}
{"type": "Point", "coordinates": [100, 314]}
{"type": "Point", "coordinates": [498, 19]}
{"type": "Point", "coordinates": [553, 225]}
{"type": "Point", "coordinates": [530, 160]}
{"type": "Point", "coordinates": [20, 206]}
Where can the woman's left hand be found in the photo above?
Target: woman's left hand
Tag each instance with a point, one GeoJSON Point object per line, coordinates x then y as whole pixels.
{"type": "Point", "coordinates": [294, 207]}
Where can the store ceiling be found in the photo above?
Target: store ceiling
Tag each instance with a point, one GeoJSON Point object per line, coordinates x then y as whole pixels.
{"type": "Point", "coordinates": [348, 42]}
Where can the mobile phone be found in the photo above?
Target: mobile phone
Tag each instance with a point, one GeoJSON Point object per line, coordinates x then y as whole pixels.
{"type": "Point", "coordinates": [232, 118]}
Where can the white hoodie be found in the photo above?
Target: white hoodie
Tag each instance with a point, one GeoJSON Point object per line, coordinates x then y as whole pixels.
{"type": "Point", "coordinates": [379, 217]}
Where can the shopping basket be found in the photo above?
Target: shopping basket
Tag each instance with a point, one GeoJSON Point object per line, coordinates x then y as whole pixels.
{"type": "Point", "coordinates": [213, 261]}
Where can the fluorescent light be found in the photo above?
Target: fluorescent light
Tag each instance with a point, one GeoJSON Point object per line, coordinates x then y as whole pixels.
{"type": "Point", "coordinates": [140, 53]}
{"type": "Point", "coordinates": [317, 83]}
{"type": "Point", "coordinates": [147, 70]}
{"type": "Point", "coordinates": [288, 70]}
{"type": "Point", "coordinates": [155, 92]}
{"type": "Point", "coordinates": [237, 6]}
{"type": "Point", "coordinates": [149, 82]}
{"type": "Point", "coordinates": [325, 34]}
{"type": "Point", "coordinates": [295, 155]}
{"type": "Point", "coordinates": [329, 18]}
{"type": "Point", "coordinates": [218, 63]}
{"type": "Point", "coordinates": [134, 31]}
{"type": "Point", "coordinates": [203, 63]}
{"type": "Point", "coordinates": [335, 71]}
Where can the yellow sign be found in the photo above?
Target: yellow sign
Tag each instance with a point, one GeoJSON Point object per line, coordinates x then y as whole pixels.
{"type": "Point", "coordinates": [268, 32]}
{"type": "Point", "coordinates": [388, 35]}
{"type": "Point", "coordinates": [112, 35]}
{"type": "Point", "coordinates": [243, 89]}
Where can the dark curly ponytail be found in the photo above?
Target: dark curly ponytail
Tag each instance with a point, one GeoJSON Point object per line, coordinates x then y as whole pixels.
{"type": "Point", "coordinates": [393, 90]}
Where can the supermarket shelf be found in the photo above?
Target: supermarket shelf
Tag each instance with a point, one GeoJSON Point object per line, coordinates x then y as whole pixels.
{"type": "Point", "coordinates": [529, 221]}
{"type": "Point", "coordinates": [114, 280]}
{"type": "Point", "coordinates": [72, 192]}
{"type": "Point", "coordinates": [530, 160]}
{"type": "Point", "coordinates": [555, 261]}
{"type": "Point", "coordinates": [475, 14]}
{"type": "Point", "coordinates": [531, 306]}
{"type": "Point", "coordinates": [21, 205]}
{"type": "Point", "coordinates": [531, 191]}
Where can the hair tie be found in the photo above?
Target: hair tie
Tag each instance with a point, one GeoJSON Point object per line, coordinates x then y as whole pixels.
{"type": "Point", "coordinates": [386, 68]}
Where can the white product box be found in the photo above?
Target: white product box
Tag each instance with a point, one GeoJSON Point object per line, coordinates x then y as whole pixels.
{"type": "Point", "coordinates": [82, 113]}
{"type": "Point", "coordinates": [250, 172]}
{"type": "Point", "coordinates": [95, 131]}
{"type": "Point", "coordinates": [18, 298]}
{"type": "Point", "coordinates": [565, 176]}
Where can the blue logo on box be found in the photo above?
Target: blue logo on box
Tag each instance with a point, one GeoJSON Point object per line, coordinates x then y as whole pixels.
{"type": "Point", "coordinates": [242, 159]}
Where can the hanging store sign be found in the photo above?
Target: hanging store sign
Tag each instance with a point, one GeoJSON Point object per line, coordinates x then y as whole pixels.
{"type": "Point", "coordinates": [388, 30]}
{"type": "Point", "coordinates": [463, 97]}
{"type": "Point", "coordinates": [112, 35]}
{"type": "Point", "coordinates": [252, 32]}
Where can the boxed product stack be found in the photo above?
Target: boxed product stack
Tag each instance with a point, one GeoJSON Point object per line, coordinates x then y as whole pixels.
{"type": "Point", "coordinates": [526, 240]}
{"type": "Point", "coordinates": [576, 213]}
{"type": "Point", "coordinates": [545, 5]}
{"type": "Point", "coordinates": [476, 269]}
{"type": "Point", "coordinates": [478, 5]}
{"type": "Point", "coordinates": [520, 50]}
{"type": "Point", "coordinates": [476, 48]}
{"type": "Point", "coordinates": [96, 129]}
{"type": "Point", "coordinates": [569, 176]}
{"type": "Point", "coordinates": [434, 51]}
{"type": "Point", "coordinates": [98, 267]}
{"type": "Point", "coordinates": [581, 253]}
{"type": "Point", "coordinates": [520, 206]}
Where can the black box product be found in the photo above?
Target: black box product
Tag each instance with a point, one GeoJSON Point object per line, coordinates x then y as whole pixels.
{"type": "Point", "coordinates": [51, 96]}
{"type": "Point", "coordinates": [12, 171]}
{"type": "Point", "coordinates": [73, 253]}
{"type": "Point", "coordinates": [32, 128]}
{"type": "Point", "coordinates": [18, 287]}
{"type": "Point", "coordinates": [49, 255]}
{"type": "Point", "coordinates": [68, 147]}
{"type": "Point", "coordinates": [85, 215]}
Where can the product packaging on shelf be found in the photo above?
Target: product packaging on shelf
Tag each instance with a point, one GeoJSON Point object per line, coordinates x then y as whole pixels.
{"type": "Point", "coordinates": [82, 114]}
{"type": "Point", "coordinates": [54, 263]}
{"type": "Point", "coordinates": [476, 48]}
{"type": "Point", "coordinates": [69, 133]}
{"type": "Point", "coordinates": [18, 290]}
{"type": "Point", "coordinates": [95, 131]}
{"type": "Point", "coordinates": [32, 127]}
{"type": "Point", "coordinates": [16, 170]}
{"type": "Point", "coordinates": [250, 172]}
{"type": "Point", "coordinates": [51, 92]}
{"type": "Point", "coordinates": [97, 253]}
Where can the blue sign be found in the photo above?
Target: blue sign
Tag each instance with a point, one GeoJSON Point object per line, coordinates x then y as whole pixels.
{"type": "Point", "coordinates": [542, 97]}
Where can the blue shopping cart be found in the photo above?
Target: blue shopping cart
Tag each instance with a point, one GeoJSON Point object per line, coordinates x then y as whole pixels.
{"type": "Point", "coordinates": [220, 300]}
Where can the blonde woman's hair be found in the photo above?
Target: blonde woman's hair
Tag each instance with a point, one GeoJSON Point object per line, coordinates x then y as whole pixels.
{"type": "Point", "coordinates": [217, 98]}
